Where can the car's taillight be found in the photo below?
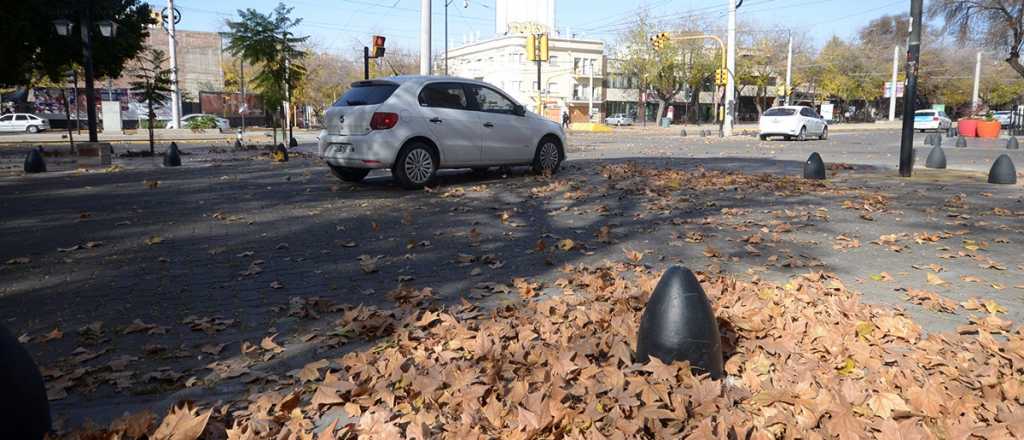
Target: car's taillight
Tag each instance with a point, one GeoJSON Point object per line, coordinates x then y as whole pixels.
{"type": "Point", "coordinates": [383, 121]}
{"type": "Point", "coordinates": [935, 118]}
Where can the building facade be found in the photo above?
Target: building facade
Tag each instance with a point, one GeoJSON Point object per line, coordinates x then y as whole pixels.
{"type": "Point", "coordinates": [570, 81]}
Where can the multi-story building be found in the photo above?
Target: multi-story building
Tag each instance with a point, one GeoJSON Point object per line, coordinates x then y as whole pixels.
{"type": "Point", "coordinates": [570, 81]}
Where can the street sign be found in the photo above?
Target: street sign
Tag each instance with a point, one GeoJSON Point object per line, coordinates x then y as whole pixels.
{"type": "Point", "coordinates": [826, 111]}
{"type": "Point", "coordinates": [887, 89]}
{"type": "Point", "coordinates": [939, 107]}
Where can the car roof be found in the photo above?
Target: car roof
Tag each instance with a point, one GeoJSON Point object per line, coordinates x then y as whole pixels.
{"type": "Point", "coordinates": [422, 79]}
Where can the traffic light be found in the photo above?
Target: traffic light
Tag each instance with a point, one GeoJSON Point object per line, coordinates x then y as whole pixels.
{"type": "Point", "coordinates": [721, 77]}
{"type": "Point", "coordinates": [537, 47]}
{"type": "Point", "coordinates": [155, 17]}
{"type": "Point", "coordinates": [377, 50]}
{"type": "Point", "coordinates": [660, 39]}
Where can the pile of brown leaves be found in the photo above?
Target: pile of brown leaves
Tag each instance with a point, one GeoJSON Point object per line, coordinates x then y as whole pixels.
{"type": "Point", "coordinates": [805, 359]}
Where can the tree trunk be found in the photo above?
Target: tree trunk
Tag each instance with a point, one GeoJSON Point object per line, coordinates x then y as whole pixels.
{"type": "Point", "coordinates": [1014, 62]}
{"type": "Point", "coordinates": [693, 112]}
{"type": "Point", "coordinates": [273, 125]}
{"type": "Point", "coordinates": [661, 111]}
{"type": "Point", "coordinates": [152, 116]}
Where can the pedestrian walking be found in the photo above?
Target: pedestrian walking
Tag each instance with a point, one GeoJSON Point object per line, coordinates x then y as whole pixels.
{"type": "Point", "coordinates": [565, 119]}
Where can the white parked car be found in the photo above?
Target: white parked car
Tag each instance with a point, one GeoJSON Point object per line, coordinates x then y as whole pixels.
{"type": "Point", "coordinates": [1005, 117]}
{"type": "Point", "coordinates": [222, 124]}
{"type": "Point", "coordinates": [416, 125]}
{"type": "Point", "coordinates": [23, 122]}
{"type": "Point", "coordinates": [792, 122]}
{"type": "Point", "coordinates": [931, 120]}
{"type": "Point", "coordinates": [618, 119]}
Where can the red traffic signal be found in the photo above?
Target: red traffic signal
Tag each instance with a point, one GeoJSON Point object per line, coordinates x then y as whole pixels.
{"type": "Point", "coordinates": [378, 46]}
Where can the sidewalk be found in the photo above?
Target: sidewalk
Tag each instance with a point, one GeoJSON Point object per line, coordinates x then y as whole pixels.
{"type": "Point", "coordinates": [748, 129]}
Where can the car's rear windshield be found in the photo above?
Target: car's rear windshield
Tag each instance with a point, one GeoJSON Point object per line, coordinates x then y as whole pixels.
{"type": "Point", "coordinates": [925, 113]}
{"type": "Point", "coordinates": [780, 112]}
{"type": "Point", "coordinates": [366, 94]}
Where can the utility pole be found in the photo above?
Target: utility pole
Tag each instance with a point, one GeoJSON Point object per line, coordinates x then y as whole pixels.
{"type": "Point", "coordinates": [424, 37]}
{"type": "Point", "coordinates": [245, 103]}
{"type": "Point", "coordinates": [910, 93]}
{"type": "Point", "coordinates": [172, 43]}
{"type": "Point", "coordinates": [90, 88]}
{"type": "Point", "coordinates": [789, 68]}
{"type": "Point", "coordinates": [892, 85]}
{"type": "Point", "coordinates": [730, 67]}
{"type": "Point", "coordinates": [590, 102]}
{"type": "Point", "coordinates": [977, 78]}
{"type": "Point", "coordinates": [287, 90]}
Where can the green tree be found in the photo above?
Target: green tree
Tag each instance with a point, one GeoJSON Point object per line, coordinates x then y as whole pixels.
{"type": "Point", "coordinates": [152, 85]}
{"type": "Point", "coordinates": [268, 42]}
{"type": "Point", "coordinates": [31, 44]}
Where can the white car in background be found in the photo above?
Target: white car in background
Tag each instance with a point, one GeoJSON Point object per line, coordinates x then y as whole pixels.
{"type": "Point", "coordinates": [792, 122]}
{"type": "Point", "coordinates": [222, 124]}
{"type": "Point", "coordinates": [618, 119]}
{"type": "Point", "coordinates": [416, 125]}
{"type": "Point", "coordinates": [931, 120]}
{"type": "Point", "coordinates": [23, 122]}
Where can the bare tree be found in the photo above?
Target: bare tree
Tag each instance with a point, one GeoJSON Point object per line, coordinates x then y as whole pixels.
{"type": "Point", "coordinates": [997, 24]}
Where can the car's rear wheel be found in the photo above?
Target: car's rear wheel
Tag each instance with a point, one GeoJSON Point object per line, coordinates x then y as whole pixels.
{"type": "Point", "coordinates": [803, 134]}
{"type": "Point", "coordinates": [824, 134]}
{"type": "Point", "coordinates": [763, 137]}
{"type": "Point", "coordinates": [349, 174]}
{"type": "Point", "coordinates": [33, 129]}
{"type": "Point", "coordinates": [416, 165]}
{"type": "Point", "coordinates": [548, 157]}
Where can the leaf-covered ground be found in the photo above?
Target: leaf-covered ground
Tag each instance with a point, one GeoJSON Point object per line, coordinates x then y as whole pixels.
{"type": "Point", "coordinates": [239, 287]}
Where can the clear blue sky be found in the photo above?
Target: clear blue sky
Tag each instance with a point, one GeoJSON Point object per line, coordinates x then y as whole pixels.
{"type": "Point", "coordinates": [345, 25]}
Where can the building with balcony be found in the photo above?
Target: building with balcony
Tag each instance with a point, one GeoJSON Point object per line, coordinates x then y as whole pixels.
{"type": "Point", "coordinates": [570, 81]}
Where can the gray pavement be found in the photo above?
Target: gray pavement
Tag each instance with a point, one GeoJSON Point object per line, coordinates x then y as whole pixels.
{"type": "Point", "coordinates": [231, 247]}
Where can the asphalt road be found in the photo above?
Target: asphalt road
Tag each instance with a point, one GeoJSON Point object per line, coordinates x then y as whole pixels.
{"type": "Point", "coordinates": [226, 248]}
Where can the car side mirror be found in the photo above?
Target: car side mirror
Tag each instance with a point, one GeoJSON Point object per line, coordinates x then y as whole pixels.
{"type": "Point", "coordinates": [519, 110]}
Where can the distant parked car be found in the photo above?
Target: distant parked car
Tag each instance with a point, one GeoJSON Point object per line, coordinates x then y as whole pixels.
{"type": "Point", "coordinates": [415, 125]}
{"type": "Point", "coordinates": [1006, 116]}
{"type": "Point", "coordinates": [619, 119]}
{"type": "Point", "coordinates": [791, 122]}
{"type": "Point", "coordinates": [23, 122]}
{"type": "Point", "coordinates": [222, 124]}
{"type": "Point", "coordinates": [931, 120]}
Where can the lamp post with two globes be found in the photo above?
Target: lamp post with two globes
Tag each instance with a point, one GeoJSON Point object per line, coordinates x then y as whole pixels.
{"type": "Point", "coordinates": [108, 29]}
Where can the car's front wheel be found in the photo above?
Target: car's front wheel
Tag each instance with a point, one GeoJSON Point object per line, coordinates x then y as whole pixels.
{"type": "Point", "coordinates": [763, 137]}
{"type": "Point", "coordinates": [803, 134]}
{"type": "Point", "coordinates": [548, 157]}
{"type": "Point", "coordinates": [416, 165]}
{"type": "Point", "coordinates": [349, 174]}
{"type": "Point", "coordinates": [33, 129]}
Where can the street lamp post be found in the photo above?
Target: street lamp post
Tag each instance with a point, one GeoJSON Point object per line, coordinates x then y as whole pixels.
{"type": "Point", "coordinates": [465, 4]}
{"type": "Point", "coordinates": [107, 29]}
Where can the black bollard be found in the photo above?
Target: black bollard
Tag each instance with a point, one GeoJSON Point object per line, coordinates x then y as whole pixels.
{"type": "Point", "coordinates": [936, 159]}
{"type": "Point", "coordinates": [1011, 143]}
{"type": "Point", "coordinates": [25, 405]}
{"type": "Point", "coordinates": [34, 162]}
{"type": "Point", "coordinates": [814, 167]}
{"type": "Point", "coordinates": [1003, 172]}
{"type": "Point", "coordinates": [172, 158]}
{"type": "Point", "coordinates": [293, 143]}
{"type": "Point", "coordinates": [678, 324]}
{"type": "Point", "coordinates": [682, 132]}
{"type": "Point", "coordinates": [961, 142]}
{"type": "Point", "coordinates": [280, 153]}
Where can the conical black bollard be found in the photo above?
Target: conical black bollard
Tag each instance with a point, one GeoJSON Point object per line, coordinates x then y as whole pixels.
{"type": "Point", "coordinates": [293, 143]}
{"type": "Point", "coordinates": [678, 324]}
{"type": "Point", "coordinates": [814, 167]}
{"type": "Point", "coordinates": [172, 158]}
{"type": "Point", "coordinates": [1011, 143]}
{"type": "Point", "coordinates": [34, 162]}
{"type": "Point", "coordinates": [280, 153]}
{"type": "Point", "coordinates": [25, 406]}
{"type": "Point", "coordinates": [961, 142]}
{"type": "Point", "coordinates": [936, 158]}
{"type": "Point", "coordinates": [1003, 172]}
{"type": "Point", "coordinates": [929, 138]}
{"type": "Point", "coordinates": [682, 132]}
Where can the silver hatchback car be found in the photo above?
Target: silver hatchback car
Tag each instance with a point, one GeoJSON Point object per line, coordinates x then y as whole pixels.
{"type": "Point", "coordinates": [416, 125]}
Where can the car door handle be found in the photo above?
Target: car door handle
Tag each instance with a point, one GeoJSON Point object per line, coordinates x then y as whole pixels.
{"type": "Point", "coordinates": [436, 120]}
{"type": "Point", "coordinates": [489, 124]}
